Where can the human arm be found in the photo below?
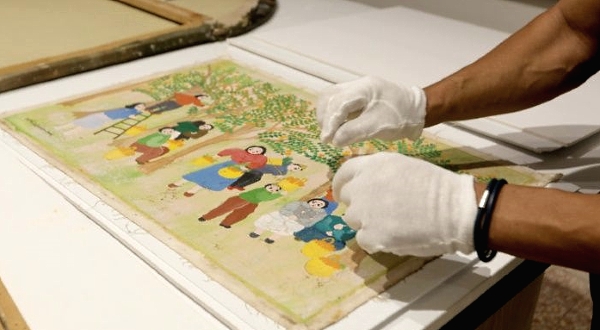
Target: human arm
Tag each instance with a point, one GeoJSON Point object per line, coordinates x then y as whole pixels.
{"type": "Point", "coordinates": [547, 225]}
{"type": "Point", "coordinates": [554, 53]}
{"type": "Point", "coordinates": [407, 206]}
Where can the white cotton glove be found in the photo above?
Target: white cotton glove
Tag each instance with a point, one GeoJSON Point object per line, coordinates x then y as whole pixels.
{"type": "Point", "coordinates": [406, 206]}
{"type": "Point", "coordinates": [369, 108]}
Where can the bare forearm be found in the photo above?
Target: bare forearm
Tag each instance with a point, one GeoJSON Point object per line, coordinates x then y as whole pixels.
{"type": "Point", "coordinates": [541, 61]}
{"type": "Point", "coordinates": [547, 225]}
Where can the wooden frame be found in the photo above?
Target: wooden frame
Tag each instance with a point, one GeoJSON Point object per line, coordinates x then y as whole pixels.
{"type": "Point", "coordinates": [193, 28]}
{"type": "Point", "coordinates": [10, 317]}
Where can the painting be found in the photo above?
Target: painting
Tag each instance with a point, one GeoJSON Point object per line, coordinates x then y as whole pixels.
{"type": "Point", "coordinates": [222, 162]}
{"type": "Point", "coordinates": [66, 37]}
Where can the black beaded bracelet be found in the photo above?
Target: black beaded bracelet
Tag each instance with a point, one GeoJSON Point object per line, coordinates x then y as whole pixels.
{"type": "Point", "coordinates": [485, 209]}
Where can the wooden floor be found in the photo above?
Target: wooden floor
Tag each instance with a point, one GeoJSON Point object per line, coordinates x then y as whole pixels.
{"type": "Point", "coordinates": [564, 302]}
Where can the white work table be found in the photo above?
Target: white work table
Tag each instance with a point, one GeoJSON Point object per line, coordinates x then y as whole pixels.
{"type": "Point", "coordinates": [65, 272]}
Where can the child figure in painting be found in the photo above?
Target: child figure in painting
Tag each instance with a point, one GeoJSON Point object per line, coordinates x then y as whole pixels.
{"type": "Point", "coordinates": [217, 177]}
{"type": "Point", "coordinates": [254, 175]}
{"type": "Point", "coordinates": [242, 205]}
{"type": "Point", "coordinates": [97, 119]}
{"type": "Point", "coordinates": [153, 145]}
{"type": "Point", "coordinates": [290, 218]}
{"type": "Point", "coordinates": [193, 129]}
{"type": "Point", "coordinates": [179, 100]}
{"type": "Point", "coordinates": [331, 226]}
{"type": "Point", "coordinates": [160, 143]}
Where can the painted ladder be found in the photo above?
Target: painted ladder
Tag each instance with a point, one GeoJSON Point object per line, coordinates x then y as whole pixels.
{"type": "Point", "coordinates": [120, 127]}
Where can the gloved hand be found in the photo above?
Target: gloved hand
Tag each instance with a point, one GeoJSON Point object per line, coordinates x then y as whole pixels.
{"type": "Point", "coordinates": [369, 108]}
{"type": "Point", "coordinates": [406, 206]}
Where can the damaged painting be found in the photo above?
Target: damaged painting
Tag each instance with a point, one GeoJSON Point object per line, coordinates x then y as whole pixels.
{"type": "Point", "coordinates": [223, 163]}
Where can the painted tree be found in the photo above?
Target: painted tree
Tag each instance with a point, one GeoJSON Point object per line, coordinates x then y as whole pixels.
{"type": "Point", "coordinates": [247, 108]}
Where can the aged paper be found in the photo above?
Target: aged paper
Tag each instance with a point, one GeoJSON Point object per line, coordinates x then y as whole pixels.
{"type": "Point", "coordinates": [222, 162]}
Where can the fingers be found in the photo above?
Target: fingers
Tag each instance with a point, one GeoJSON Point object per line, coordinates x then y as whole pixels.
{"type": "Point", "coordinates": [337, 113]}
{"type": "Point", "coordinates": [344, 186]}
{"type": "Point", "coordinates": [350, 132]}
{"type": "Point", "coordinates": [323, 102]}
{"type": "Point", "coordinates": [367, 242]}
{"type": "Point", "coordinates": [343, 177]}
{"type": "Point", "coordinates": [370, 107]}
{"type": "Point", "coordinates": [347, 188]}
{"type": "Point", "coordinates": [336, 106]}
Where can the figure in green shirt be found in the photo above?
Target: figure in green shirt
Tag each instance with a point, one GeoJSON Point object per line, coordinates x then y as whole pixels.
{"type": "Point", "coordinates": [153, 145]}
{"type": "Point", "coordinates": [193, 129]}
{"type": "Point", "coordinates": [242, 205]}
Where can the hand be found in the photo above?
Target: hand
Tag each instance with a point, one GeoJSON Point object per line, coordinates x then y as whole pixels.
{"type": "Point", "coordinates": [369, 108]}
{"type": "Point", "coordinates": [406, 206]}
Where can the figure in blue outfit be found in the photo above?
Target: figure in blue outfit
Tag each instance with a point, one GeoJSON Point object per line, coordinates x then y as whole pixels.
{"type": "Point", "coordinates": [217, 177]}
{"type": "Point", "coordinates": [97, 119]}
{"type": "Point", "coordinates": [329, 226]}
{"type": "Point", "coordinates": [292, 217]}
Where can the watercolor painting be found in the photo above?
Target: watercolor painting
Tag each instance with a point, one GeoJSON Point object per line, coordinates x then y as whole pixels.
{"type": "Point", "coordinates": [223, 162]}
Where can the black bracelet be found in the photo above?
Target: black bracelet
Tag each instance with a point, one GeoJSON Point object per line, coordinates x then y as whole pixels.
{"type": "Point", "coordinates": [485, 209]}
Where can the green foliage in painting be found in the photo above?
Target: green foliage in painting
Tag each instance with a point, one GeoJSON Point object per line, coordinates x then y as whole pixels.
{"type": "Point", "coordinates": [286, 142]}
{"type": "Point", "coordinates": [421, 149]}
{"type": "Point", "coordinates": [237, 99]}
{"type": "Point", "coordinates": [193, 110]}
{"type": "Point", "coordinates": [240, 103]}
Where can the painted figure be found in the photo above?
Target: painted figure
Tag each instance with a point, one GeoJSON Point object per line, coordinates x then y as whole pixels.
{"type": "Point", "coordinates": [239, 207]}
{"type": "Point", "coordinates": [158, 144]}
{"type": "Point", "coordinates": [217, 177]}
{"type": "Point", "coordinates": [332, 226]}
{"type": "Point", "coordinates": [254, 175]}
{"type": "Point", "coordinates": [179, 100]}
{"type": "Point", "coordinates": [193, 129]}
{"type": "Point", "coordinates": [291, 218]}
{"type": "Point", "coordinates": [153, 145]}
{"type": "Point", "coordinates": [97, 119]}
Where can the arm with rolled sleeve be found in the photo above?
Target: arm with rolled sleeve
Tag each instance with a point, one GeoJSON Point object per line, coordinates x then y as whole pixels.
{"type": "Point", "coordinates": [406, 206]}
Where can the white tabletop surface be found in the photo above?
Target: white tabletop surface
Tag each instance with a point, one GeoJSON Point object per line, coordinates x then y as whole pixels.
{"type": "Point", "coordinates": [65, 272]}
